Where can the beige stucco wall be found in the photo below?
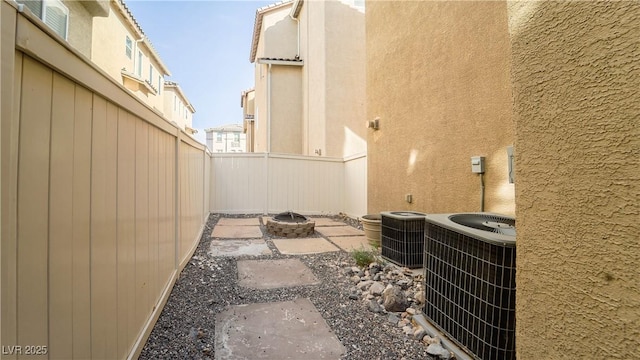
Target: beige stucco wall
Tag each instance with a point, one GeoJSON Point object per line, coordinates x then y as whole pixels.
{"type": "Point", "coordinates": [174, 108]}
{"type": "Point", "coordinates": [261, 109]}
{"type": "Point", "coordinates": [331, 87]}
{"type": "Point", "coordinates": [286, 106]}
{"type": "Point", "coordinates": [108, 52]}
{"type": "Point", "coordinates": [80, 24]}
{"type": "Point", "coordinates": [332, 37]}
{"type": "Point", "coordinates": [345, 88]}
{"type": "Point", "coordinates": [438, 77]}
{"type": "Point", "coordinates": [576, 77]}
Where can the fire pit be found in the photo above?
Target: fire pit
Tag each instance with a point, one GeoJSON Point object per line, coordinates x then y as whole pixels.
{"type": "Point", "coordinates": [291, 225]}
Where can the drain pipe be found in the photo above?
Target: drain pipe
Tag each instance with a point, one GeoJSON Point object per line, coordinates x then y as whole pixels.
{"type": "Point", "coordinates": [269, 109]}
{"type": "Point", "coordinates": [298, 27]}
{"type": "Point", "coordinates": [481, 192]}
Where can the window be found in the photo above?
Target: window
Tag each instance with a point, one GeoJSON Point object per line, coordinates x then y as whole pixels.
{"type": "Point", "coordinates": [128, 44]}
{"type": "Point", "coordinates": [236, 137]}
{"type": "Point", "coordinates": [175, 103]}
{"type": "Point", "coordinates": [218, 137]}
{"type": "Point", "coordinates": [150, 74]}
{"type": "Point", "coordinates": [51, 12]}
{"type": "Point", "coordinates": [140, 63]}
{"type": "Point", "coordinates": [159, 84]}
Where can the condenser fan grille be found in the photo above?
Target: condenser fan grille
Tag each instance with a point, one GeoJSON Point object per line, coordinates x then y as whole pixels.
{"type": "Point", "coordinates": [486, 222]}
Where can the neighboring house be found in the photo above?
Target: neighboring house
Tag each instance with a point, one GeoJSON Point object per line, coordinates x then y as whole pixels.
{"type": "Point", "coordinates": [121, 48]}
{"type": "Point", "coordinates": [227, 138]}
{"type": "Point", "coordinates": [177, 108]}
{"type": "Point", "coordinates": [559, 81]}
{"type": "Point", "coordinates": [309, 78]}
{"type": "Point", "coordinates": [71, 20]}
{"type": "Point", "coordinates": [247, 102]}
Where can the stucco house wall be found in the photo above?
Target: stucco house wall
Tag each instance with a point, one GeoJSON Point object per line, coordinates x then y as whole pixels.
{"type": "Point", "coordinates": [109, 52]}
{"type": "Point", "coordinates": [575, 81]}
{"type": "Point", "coordinates": [438, 78]}
{"type": "Point", "coordinates": [331, 88]}
{"type": "Point", "coordinates": [286, 107]}
{"type": "Point", "coordinates": [346, 80]}
{"type": "Point", "coordinates": [177, 108]}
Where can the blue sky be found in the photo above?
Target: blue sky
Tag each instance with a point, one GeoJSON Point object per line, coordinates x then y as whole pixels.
{"type": "Point", "coordinates": [205, 44]}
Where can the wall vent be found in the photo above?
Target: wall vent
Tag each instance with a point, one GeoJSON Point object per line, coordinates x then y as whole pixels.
{"type": "Point", "coordinates": [470, 289]}
{"type": "Point", "coordinates": [402, 237]}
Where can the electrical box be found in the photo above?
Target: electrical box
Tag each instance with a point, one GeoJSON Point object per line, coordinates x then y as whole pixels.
{"type": "Point", "coordinates": [477, 164]}
{"type": "Point", "coordinates": [511, 163]}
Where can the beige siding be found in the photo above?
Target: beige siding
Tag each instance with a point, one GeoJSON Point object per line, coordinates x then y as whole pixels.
{"type": "Point", "coordinates": [575, 82]}
{"type": "Point", "coordinates": [88, 236]}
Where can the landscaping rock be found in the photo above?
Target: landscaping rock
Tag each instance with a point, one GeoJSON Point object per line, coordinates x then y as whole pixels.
{"type": "Point", "coordinates": [393, 299]}
{"type": "Point", "coordinates": [438, 350]}
{"type": "Point", "coordinates": [376, 288]}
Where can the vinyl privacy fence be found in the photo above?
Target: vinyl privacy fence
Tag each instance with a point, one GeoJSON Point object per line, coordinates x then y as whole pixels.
{"type": "Point", "coordinates": [103, 202]}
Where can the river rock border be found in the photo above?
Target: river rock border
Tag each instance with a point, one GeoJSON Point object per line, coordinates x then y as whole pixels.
{"type": "Point", "coordinates": [397, 293]}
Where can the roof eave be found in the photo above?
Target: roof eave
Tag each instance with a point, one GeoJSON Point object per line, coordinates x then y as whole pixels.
{"type": "Point", "coordinates": [257, 25]}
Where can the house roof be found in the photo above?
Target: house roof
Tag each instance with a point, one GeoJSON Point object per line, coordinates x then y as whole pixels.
{"type": "Point", "coordinates": [174, 85]}
{"type": "Point", "coordinates": [257, 24]}
{"type": "Point", "coordinates": [244, 93]}
{"type": "Point", "coordinates": [226, 128]}
{"type": "Point", "coordinates": [128, 15]}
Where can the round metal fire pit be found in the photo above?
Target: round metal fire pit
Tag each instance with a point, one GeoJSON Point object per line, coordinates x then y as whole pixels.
{"type": "Point", "coordinates": [291, 225]}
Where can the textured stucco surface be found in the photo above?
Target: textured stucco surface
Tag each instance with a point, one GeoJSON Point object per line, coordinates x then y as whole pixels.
{"type": "Point", "coordinates": [438, 77]}
{"type": "Point", "coordinates": [576, 77]}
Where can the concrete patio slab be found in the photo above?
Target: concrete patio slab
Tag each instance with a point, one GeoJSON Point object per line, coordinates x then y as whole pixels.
{"type": "Point", "coordinates": [329, 231]}
{"type": "Point", "coordinates": [236, 232]}
{"type": "Point", "coordinates": [326, 222]}
{"type": "Point", "coordinates": [302, 246]}
{"type": "Point", "coordinates": [238, 221]}
{"type": "Point", "coordinates": [350, 243]}
{"type": "Point", "coordinates": [238, 247]}
{"type": "Point", "coordinates": [282, 330]}
{"type": "Point", "coordinates": [272, 274]}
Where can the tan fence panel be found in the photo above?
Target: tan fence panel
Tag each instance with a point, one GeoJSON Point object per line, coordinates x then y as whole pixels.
{"type": "Point", "coordinates": [355, 186]}
{"type": "Point", "coordinates": [238, 183]}
{"type": "Point", "coordinates": [33, 212]}
{"type": "Point", "coordinates": [309, 185]}
{"type": "Point", "coordinates": [104, 260]}
{"type": "Point", "coordinates": [272, 183]}
{"type": "Point", "coordinates": [192, 194]}
{"type": "Point", "coordinates": [90, 194]}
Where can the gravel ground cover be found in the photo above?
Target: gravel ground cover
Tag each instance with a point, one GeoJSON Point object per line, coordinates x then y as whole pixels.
{"type": "Point", "coordinates": [207, 285]}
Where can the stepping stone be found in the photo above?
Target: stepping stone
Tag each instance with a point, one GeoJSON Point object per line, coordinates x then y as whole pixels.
{"type": "Point", "coordinates": [238, 221]}
{"type": "Point", "coordinates": [272, 274]}
{"type": "Point", "coordinates": [236, 232]}
{"type": "Point", "coordinates": [350, 243]}
{"type": "Point", "coordinates": [281, 330]}
{"type": "Point", "coordinates": [231, 247]}
{"type": "Point", "coordinates": [329, 231]}
{"type": "Point", "coordinates": [302, 246]}
{"type": "Point", "coordinates": [326, 222]}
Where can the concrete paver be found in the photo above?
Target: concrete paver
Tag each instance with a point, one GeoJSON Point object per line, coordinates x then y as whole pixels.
{"type": "Point", "coordinates": [271, 274]}
{"type": "Point", "coordinates": [236, 232]}
{"type": "Point", "coordinates": [239, 247]}
{"type": "Point", "coordinates": [326, 222]}
{"type": "Point", "coordinates": [345, 230]}
{"type": "Point", "coordinates": [299, 246]}
{"type": "Point", "coordinates": [350, 243]}
{"type": "Point", "coordinates": [238, 221]}
{"type": "Point", "coordinates": [281, 330]}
